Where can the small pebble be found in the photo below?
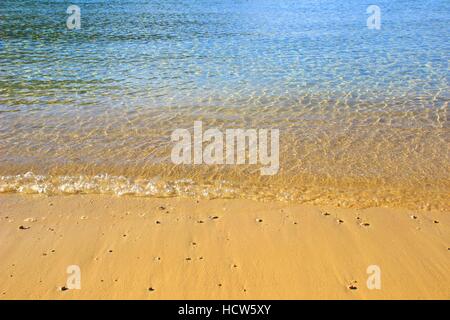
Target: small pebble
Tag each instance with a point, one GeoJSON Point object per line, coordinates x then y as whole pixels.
{"type": "Point", "coordinates": [365, 224]}
{"type": "Point", "coordinates": [352, 286]}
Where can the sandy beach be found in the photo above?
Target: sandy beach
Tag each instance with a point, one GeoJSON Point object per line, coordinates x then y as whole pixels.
{"type": "Point", "coordinates": [224, 150]}
{"type": "Point", "coordinates": [174, 248]}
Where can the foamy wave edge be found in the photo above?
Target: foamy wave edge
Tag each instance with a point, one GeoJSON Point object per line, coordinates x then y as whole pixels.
{"type": "Point", "coordinates": [30, 183]}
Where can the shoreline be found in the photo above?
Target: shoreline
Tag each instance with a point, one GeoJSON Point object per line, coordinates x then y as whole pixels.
{"type": "Point", "coordinates": [177, 248]}
{"type": "Point", "coordinates": [318, 191]}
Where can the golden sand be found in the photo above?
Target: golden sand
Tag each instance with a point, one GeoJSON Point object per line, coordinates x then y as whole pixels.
{"type": "Point", "coordinates": [174, 248]}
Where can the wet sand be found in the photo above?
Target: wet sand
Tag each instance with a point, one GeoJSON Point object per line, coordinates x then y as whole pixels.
{"type": "Point", "coordinates": [175, 248]}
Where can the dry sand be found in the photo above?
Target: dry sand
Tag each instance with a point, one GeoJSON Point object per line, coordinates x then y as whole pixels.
{"type": "Point", "coordinates": [144, 248]}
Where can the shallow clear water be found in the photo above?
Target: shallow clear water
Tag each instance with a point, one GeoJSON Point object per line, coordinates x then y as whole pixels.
{"type": "Point", "coordinates": [363, 114]}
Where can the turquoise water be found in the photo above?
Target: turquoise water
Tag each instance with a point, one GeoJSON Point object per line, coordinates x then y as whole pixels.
{"type": "Point", "coordinates": [356, 107]}
{"type": "Point", "coordinates": [178, 49]}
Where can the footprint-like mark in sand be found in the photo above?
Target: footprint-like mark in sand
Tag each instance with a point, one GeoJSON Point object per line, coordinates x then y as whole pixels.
{"type": "Point", "coordinates": [339, 221]}
{"type": "Point", "coordinates": [259, 220]}
{"type": "Point", "coordinates": [213, 217]}
{"type": "Point", "coordinates": [413, 217]}
{"type": "Point", "coordinates": [436, 221]}
{"type": "Point", "coordinates": [325, 214]}
{"type": "Point", "coordinates": [24, 228]}
{"type": "Point", "coordinates": [151, 289]}
{"type": "Point", "coordinates": [200, 221]}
